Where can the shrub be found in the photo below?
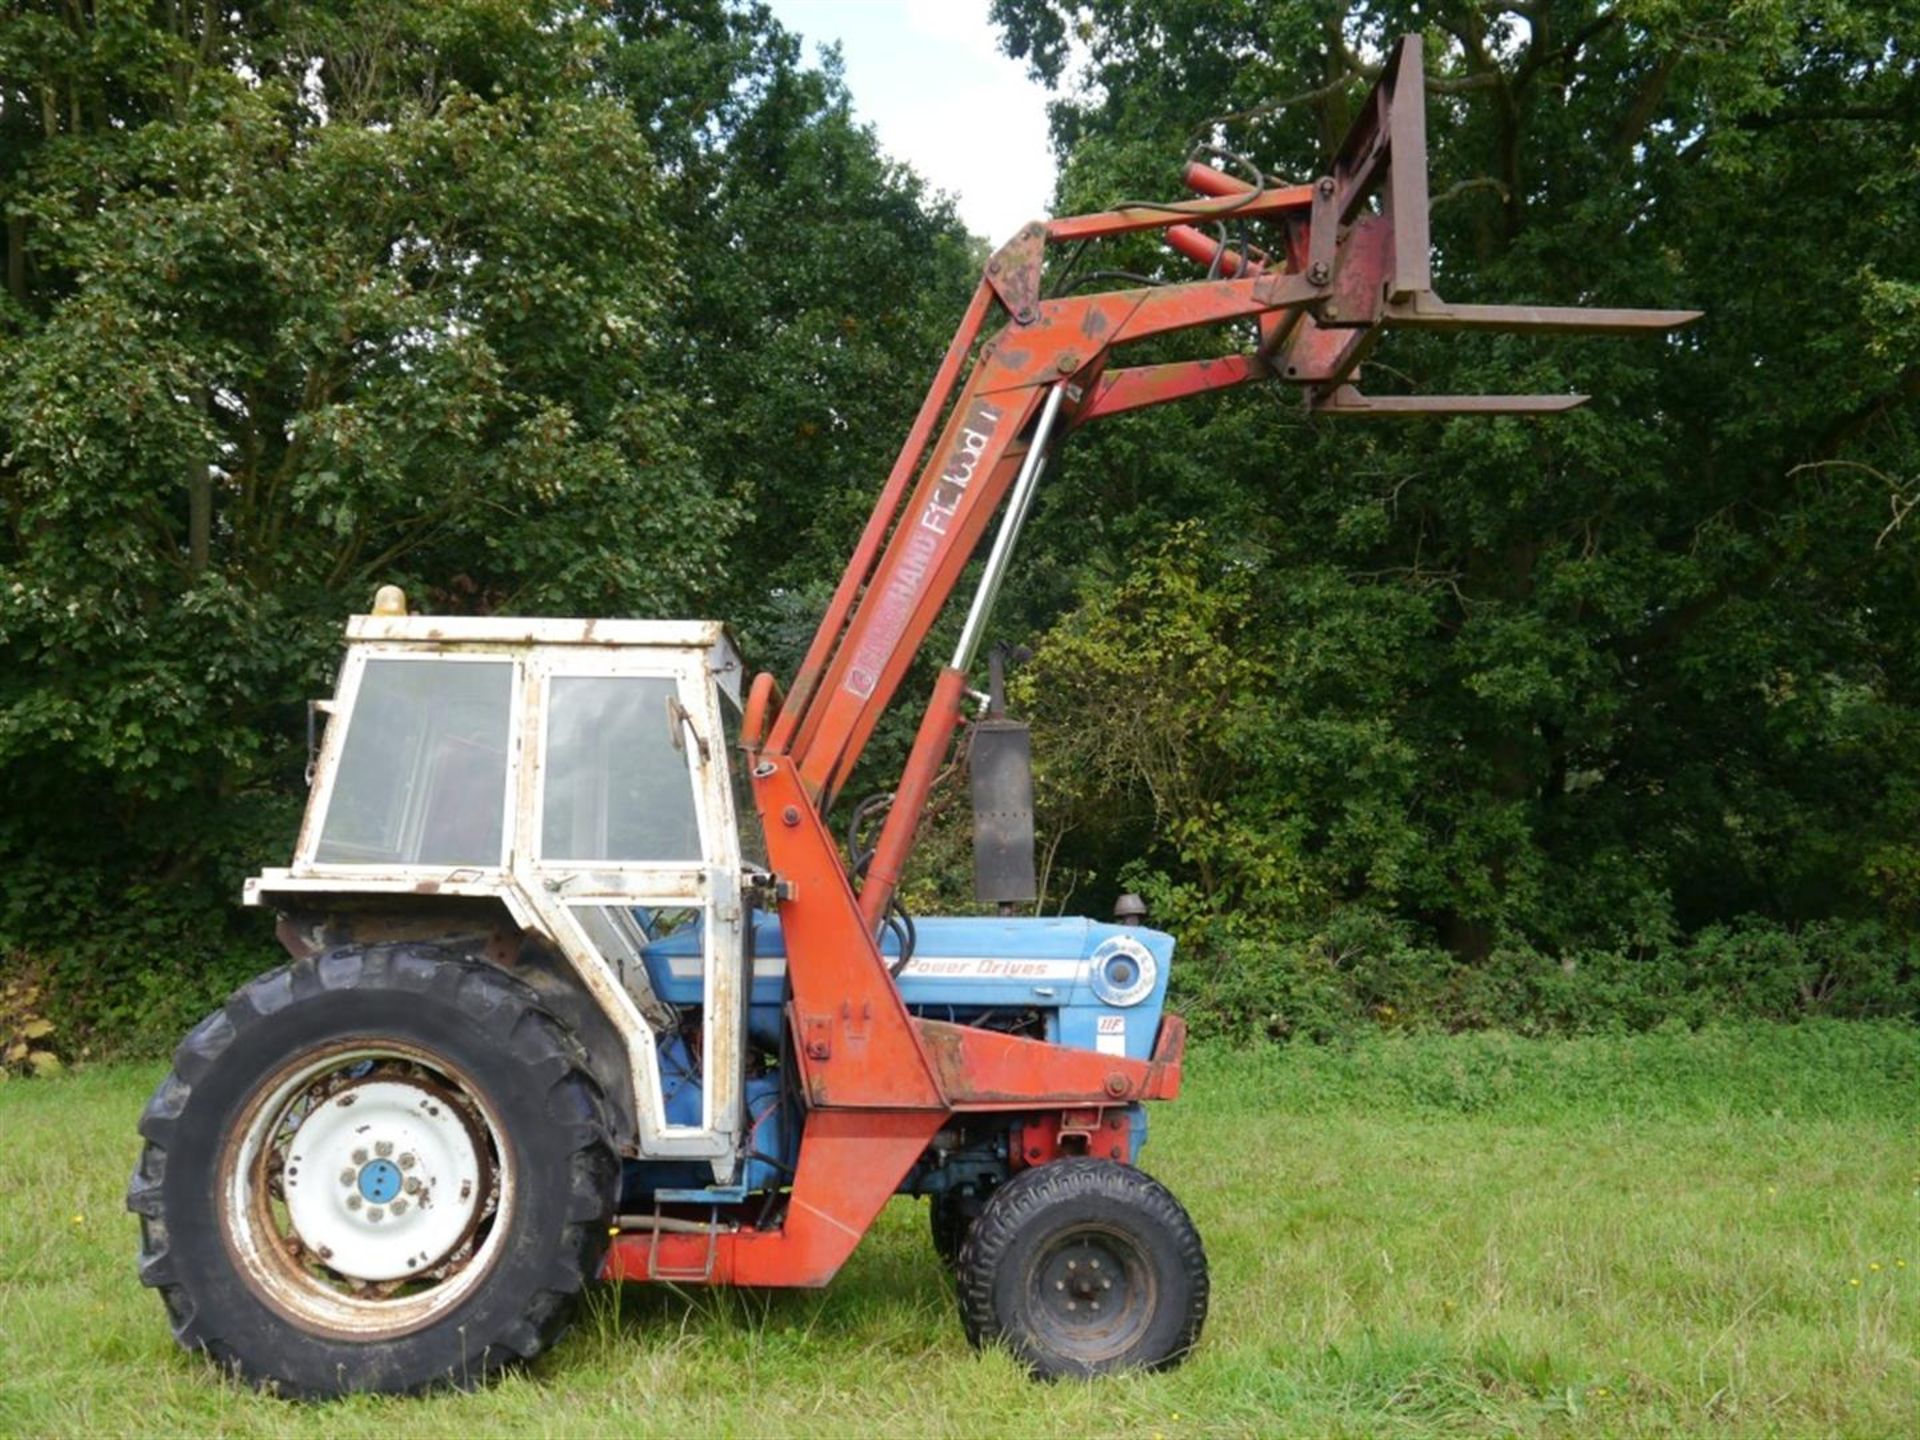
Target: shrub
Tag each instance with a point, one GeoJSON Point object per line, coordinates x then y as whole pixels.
{"type": "Point", "coordinates": [26, 1035]}
{"type": "Point", "coordinates": [1364, 970]}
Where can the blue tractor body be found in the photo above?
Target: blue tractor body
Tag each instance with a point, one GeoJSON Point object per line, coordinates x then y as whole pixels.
{"type": "Point", "coordinates": [1072, 982]}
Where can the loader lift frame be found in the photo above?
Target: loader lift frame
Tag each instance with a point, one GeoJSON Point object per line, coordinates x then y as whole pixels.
{"type": "Point", "coordinates": [878, 1083]}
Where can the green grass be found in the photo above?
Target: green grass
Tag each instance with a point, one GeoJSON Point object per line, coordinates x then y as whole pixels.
{"type": "Point", "coordinates": [1659, 1234]}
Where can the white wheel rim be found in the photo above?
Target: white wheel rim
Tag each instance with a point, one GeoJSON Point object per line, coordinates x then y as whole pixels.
{"type": "Point", "coordinates": [367, 1191]}
{"type": "Point", "coordinates": [383, 1180]}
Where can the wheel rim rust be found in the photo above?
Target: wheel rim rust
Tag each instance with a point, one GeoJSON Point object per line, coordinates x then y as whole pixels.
{"type": "Point", "coordinates": [290, 1271]}
{"type": "Point", "coordinates": [1091, 1293]}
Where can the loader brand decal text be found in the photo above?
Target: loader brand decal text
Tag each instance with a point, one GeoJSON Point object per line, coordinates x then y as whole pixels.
{"type": "Point", "coordinates": [953, 481]}
{"type": "Point", "coordinates": [918, 549]}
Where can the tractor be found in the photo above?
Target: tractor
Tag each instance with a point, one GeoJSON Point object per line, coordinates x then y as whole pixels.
{"type": "Point", "coordinates": [583, 987]}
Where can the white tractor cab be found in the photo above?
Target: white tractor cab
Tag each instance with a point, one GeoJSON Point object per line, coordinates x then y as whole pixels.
{"type": "Point", "coordinates": [559, 789]}
{"type": "Point", "coordinates": [556, 795]}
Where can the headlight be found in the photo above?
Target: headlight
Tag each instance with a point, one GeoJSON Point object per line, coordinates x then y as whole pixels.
{"type": "Point", "coordinates": [1123, 971]}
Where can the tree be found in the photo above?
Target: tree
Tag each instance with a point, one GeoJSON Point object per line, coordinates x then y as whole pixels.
{"type": "Point", "coordinates": [298, 303]}
{"type": "Point", "coordinates": [824, 282]}
{"type": "Point", "coordinates": [1589, 682]}
{"type": "Point", "coordinates": [531, 308]}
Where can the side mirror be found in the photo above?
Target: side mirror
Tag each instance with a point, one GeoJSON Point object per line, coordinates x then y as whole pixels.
{"type": "Point", "coordinates": [678, 718]}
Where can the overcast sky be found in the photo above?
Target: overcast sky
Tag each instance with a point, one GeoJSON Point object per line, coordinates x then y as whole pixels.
{"type": "Point", "coordinates": [928, 77]}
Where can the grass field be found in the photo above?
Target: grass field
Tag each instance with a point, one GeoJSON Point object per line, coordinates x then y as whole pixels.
{"type": "Point", "coordinates": [1701, 1234]}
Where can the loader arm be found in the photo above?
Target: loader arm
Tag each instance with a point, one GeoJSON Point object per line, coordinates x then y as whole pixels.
{"type": "Point", "coordinates": [1351, 263]}
{"type": "Point", "coordinates": [1347, 261]}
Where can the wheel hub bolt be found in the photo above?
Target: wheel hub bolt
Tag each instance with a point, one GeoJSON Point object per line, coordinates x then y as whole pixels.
{"type": "Point", "coordinates": [383, 1148]}
{"type": "Point", "coordinates": [1106, 1284]}
{"type": "Point", "coordinates": [376, 1214]}
{"type": "Point", "coordinates": [399, 1207]}
{"type": "Point", "coordinates": [407, 1161]}
{"type": "Point", "coordinates": [347, 1178]}
{"type": "Point", "coordinates": [1094, 1263]}
{"type": "Point", "coordinates": [360, 1156]}
{"type": "Point", "coordinates": [353, 1201]}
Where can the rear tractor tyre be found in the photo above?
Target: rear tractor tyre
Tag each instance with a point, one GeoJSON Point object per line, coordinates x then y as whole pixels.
{"type": "Point", "coordinates": [384, 1169]}
{"type": "Point", "coordinates": [1084, 1267]}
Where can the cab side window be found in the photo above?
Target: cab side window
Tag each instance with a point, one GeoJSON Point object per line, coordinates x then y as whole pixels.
{"type": "Point", "coordinates": [616, 787]}
{"type": "Point", "coordinates": [422, 778]}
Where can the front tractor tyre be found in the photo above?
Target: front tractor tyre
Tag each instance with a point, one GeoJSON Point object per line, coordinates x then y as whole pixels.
{"type": "Point", "coordinates": [1084, 1267]}
{"type": "Point", "coordinates": [383, 1169]}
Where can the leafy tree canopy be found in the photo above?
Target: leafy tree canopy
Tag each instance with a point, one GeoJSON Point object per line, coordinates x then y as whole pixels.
{"type": "Point", "coordinates": [532, 308]}
{"type": "Point", "coordinates": [615, 309]}
{"type": "Point", "coordinates": [1584, 682]}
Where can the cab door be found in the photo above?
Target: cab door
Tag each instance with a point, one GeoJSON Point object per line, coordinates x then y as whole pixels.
{"type": "Point", "coordinates": [626, 821]}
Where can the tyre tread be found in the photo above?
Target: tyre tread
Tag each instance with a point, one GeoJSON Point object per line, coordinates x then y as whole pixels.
{"type": "Point", "coordinates": [504, 1007]}
{"type": "Point", "coordinates": [1032, 1193]}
